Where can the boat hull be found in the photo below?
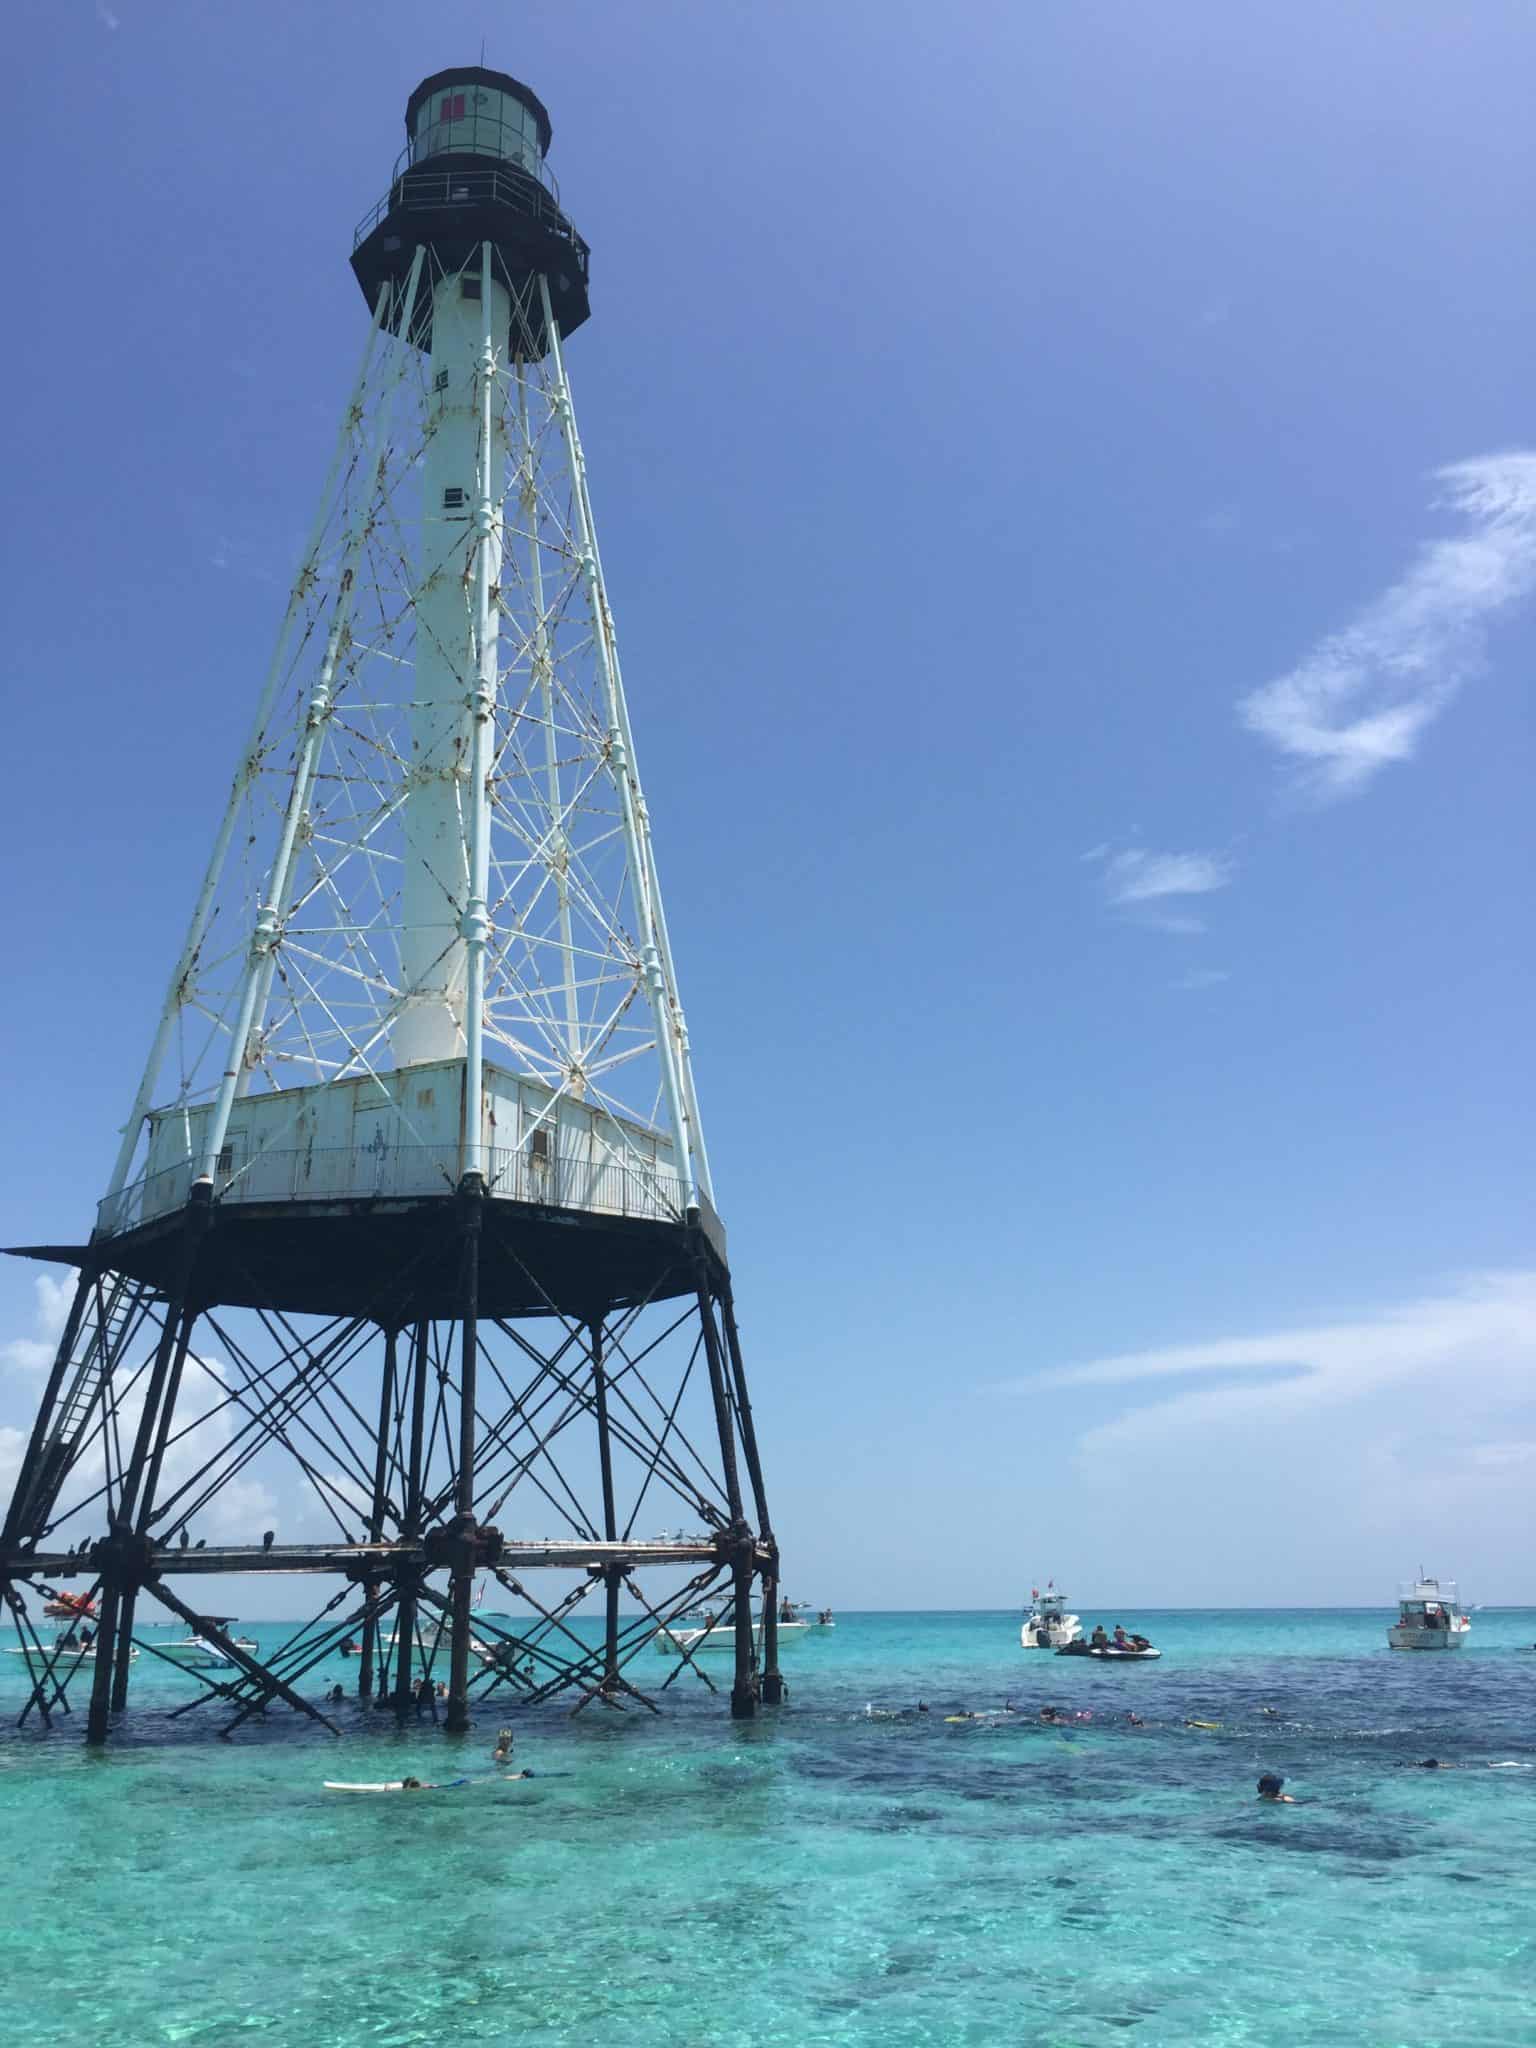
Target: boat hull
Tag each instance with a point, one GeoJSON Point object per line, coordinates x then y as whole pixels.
{"type": "Point", "coordinates": [1426, 1638]}
{"type": "Point", "coordinates": [1048, 1626]}
{"type": "Point", "coordinates": [50, 1651]}
{"type": "Point", "coordinates": [195, 1656]}
{"type": "Point", "coordinates": [694, 1642]}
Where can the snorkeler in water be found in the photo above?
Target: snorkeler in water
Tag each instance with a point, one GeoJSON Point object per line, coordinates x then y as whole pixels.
{"type": "Point", "coordinates": [1436, 1763]}
{"type": "Point", "coordinates": [1271, 1789]}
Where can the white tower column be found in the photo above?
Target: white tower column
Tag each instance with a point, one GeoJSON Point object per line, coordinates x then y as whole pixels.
{"type": "Point", "coordinates": [460, 555]}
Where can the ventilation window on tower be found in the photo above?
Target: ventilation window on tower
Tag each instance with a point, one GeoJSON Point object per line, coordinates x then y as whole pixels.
{"type": "Point", "coordinates": [453, 498]}
{"type": "Point", "coordinates": [440, 381]}
{"type": "Point", "coordinates": [469, 287]}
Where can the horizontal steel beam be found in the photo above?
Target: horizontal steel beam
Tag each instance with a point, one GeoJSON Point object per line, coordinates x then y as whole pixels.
{"type": "Point", "coordinates": [574, 1555]}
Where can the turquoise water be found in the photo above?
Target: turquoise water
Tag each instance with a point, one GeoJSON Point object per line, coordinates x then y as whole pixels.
{"type": "Point", "coordinates": [815, 1876]}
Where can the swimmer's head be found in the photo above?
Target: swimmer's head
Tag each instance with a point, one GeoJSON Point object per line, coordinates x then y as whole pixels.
{"type": "Point", "coordinates": [1269, 1785]}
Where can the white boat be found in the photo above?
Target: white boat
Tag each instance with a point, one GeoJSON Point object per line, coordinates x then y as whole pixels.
{"type": "Point", "coordinates": [61, 1648]}
{"type": "Point", "coordinates": [718, 1633]}
{"type": "Point", "coordinates": [195, 1653]}
{"type": "Point", "coordinates": [199, 1653]}
{"type": "Point", "coordinates": [1429, 1617]}
{"type": "Point", "coordinates": [438, 1636]}
{"type": "Point", "coordinates": [1048, 1626]}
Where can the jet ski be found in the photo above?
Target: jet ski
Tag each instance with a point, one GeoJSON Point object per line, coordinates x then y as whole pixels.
{"type": "Point", "coordinates": [1136, 1650]}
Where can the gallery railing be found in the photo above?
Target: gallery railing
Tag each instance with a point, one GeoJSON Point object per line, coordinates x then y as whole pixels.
{"type": "Point", "coordinates": [606, 1186]}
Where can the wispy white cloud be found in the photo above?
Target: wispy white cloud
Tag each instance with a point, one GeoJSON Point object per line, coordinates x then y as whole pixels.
{"type": "Point", "coordinates": [1137, 876]}
{"type": "Point", "coordinates": [1500, 1457]}
{"type": "Point", "coordinates": [52, 1297]}
{"type": "Point", "coordinates": [1153, 889]}
{"type": "Point", "coordinates": [1219, 521]}
{"type": "Point", "coordinates": [1363, 697]}
{"type": "Point", "coordinates": [12, 1444]}
{"type": "Point", "coordinates": [106, 17]}
{"type": "Point", "coordinates": [1202, 977]}
{"type": "Point", "coordinates": [206, 1425]}
{"type": "Point", "coordinates": [1366, 1443]}
{"type": "Point", "coordinates": [1494, 1313]}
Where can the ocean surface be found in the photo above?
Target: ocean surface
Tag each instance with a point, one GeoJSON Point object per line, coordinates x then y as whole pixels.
{"type": "Point", "coordinates": [818, 1875]}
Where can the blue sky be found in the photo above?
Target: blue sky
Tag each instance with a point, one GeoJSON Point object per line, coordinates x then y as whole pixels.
{"type": "Point", "coordinates": [1066, 479]}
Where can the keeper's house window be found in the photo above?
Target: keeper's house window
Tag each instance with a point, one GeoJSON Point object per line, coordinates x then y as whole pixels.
{"type": "Point", "coordinates": [538, 1146]}
{"type": "Point", "coordinates": [453, 499]}
{"type": "Point", "coordinates": [226, 1160]}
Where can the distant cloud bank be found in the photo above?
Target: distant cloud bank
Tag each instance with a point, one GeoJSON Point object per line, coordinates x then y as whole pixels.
{"type": "Point", "coordinates": [1347, 1451]}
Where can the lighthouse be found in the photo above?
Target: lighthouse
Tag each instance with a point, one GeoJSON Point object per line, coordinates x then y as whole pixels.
{"type": "Point", "coordinates": [411, 1228]}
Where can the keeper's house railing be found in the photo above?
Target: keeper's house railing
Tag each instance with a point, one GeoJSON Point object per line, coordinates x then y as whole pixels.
{"type": "Point", "coordinates": [341, 1173]}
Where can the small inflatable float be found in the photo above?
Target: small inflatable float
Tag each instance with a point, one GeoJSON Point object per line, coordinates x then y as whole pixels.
{"type": "Point", "coordinates": [396, 1785]}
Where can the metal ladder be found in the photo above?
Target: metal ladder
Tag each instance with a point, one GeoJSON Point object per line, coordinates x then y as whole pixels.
{"type": "Point", "coordinates": [100, 1340]}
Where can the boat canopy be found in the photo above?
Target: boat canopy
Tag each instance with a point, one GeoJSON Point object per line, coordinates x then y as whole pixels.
{"type": "Point", "coordinates": [1428, 1592]}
